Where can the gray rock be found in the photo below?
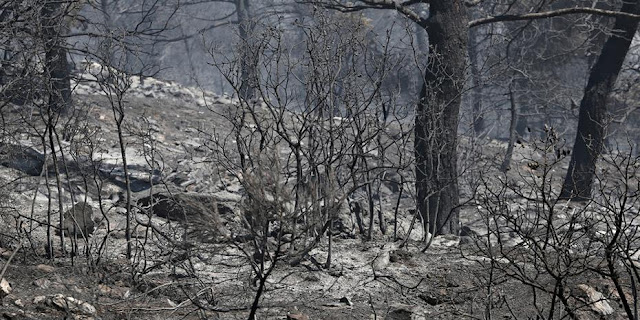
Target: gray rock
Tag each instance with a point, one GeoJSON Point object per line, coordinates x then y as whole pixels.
{"type": "Point", "coordinates": [346, 301]}
{"type": "Point", "coordinates": [596, 300]}
{"type": "Point", "coordinates": [297, 316]}
{"type": "Point", "coordinates": [39, 299]}
{"type": "Point", "coordinates": [465, 231]}
{"type": "Point", "coordinates": [72, 305]}
{"type": "Point", "coordinates": [433, 300]}
{"type": "Point", "coordinates": [312, 278]}
{"type": "Point", "coordinates": [392, 181]}
{"type": "Point", "coordinates": [19, 303]}
{"type": "Point", "coordinates": [226, 196]}
{"type": "Point", "coordinates": [404, 312]}
{"type": "Point", "coordinates": [200, 210]}
{"type": "Point", "coordinates": [24, 159]}
{"type": "Point", "coordinates": [42, 283]}
{"type": "Point", "coordinates": [45, 268]}
{"type": "Point", "coordinates": [79, 220]}
{"type": "Point", "coordinates": [178, 206]}
{"type": "Point", "coordinates": [5, 288]}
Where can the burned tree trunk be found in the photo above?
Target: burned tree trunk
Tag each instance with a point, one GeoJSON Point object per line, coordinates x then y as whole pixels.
{"type": "Point", "coordinates": [476, 83]}
{"type": "Point", "coordinates": [437, 117]}
{"type": "Point", "coordinates": [593, 107]}
{"type": "Point", "coordinates": [248, 51]}
{"type": "Point", "coordinates": [506, 162]}
{"type": "Point", "coordinates": [56, 63]}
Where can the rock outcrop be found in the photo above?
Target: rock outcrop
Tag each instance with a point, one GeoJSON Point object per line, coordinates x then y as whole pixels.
{"type": "Point", "coordinates": [199, 210]}
{"type": "Point", "coordinates": [78, 220]}
{"type": "Point", "coordinates": [22, 158]}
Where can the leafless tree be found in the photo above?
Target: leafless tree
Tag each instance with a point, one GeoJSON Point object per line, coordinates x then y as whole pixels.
{"type": "Point", "coordinates": [550, 245]}
{"type": "Point", "coordinates": [593, 107]}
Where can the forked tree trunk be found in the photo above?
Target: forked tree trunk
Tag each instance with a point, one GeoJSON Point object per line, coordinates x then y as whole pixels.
{"type": "Point", "coordinates": [593, 107]}
{"type": "Point", "coordinates": [437, 117]}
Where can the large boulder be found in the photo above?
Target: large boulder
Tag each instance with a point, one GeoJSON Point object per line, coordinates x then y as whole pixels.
{"type": "Point", "coordinates": [404, 312]}
{"type": "Point", "coordinates": [199, 210]}
{"type": "Point", "coordinates": [181, 206]}
{"type": "Point", "coordinates": [78, 220]}
{"type": "Point", "coordinates": [25, 159]}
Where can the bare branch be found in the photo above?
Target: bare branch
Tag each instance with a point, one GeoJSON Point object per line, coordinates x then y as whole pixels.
{"type": "Point", "coordinates": [551, 14]}
{"type": "Point", "coordinates": [400, 7]}
{"type": "Point", "coordinates": [201, 31]}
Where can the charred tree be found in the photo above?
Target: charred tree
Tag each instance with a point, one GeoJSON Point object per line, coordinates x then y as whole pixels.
{"type": "Point", "coordinates": [248, 51]}
{"type": "Point", "coordinates": [593, 107]}
{"type": "Point", "coordinates": [436, 122]}
{"type": "Point", "coordinates": [476, 82]}
{"type": "Point", "coordinates": [56, 63]}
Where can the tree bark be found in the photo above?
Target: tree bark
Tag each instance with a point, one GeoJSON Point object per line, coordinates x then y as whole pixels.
{"type": "Point", "coordinates": [593, 107]}
{"type": "Point", "coordinates": [56, 63]}
{"type": "Point", "coordinates": [513, 134]}
{"type": "Point", "coordinates": [107, 46]}
{"type": "Point", "coordinates": [476, 83]}
{"type": "Point", "coordinates": [249, 56]}
{"type": "Point", "coordinates": [437, 117]}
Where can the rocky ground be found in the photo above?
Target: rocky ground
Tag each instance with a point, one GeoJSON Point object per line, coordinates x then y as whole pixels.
{"type": "Point", "coordinates": [199, 268]}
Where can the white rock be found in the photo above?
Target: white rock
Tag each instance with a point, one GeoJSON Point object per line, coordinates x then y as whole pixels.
{"type": "Point", "coordinates": [598, 302]}
{"type": "Point", "coordinates": [39, 299]}
{"type": "Point", "coordinates": [5, 287]}
{"type": "Point", "coordinates": [382, 260]}
{"type": "Point", "coordinates": [42, 283]}
{"type": "Point", "coordinates": [72, 304]}
{"type": "Point", "coordinates": [446, 241]}
{"type": "Point", "coordinates": [226, 196]}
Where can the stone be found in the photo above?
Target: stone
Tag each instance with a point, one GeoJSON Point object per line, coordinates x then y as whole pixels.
{"type": "Point", "coordinates": [465, 231]}
{"type": "Point", "coordinates": [72, 305]}
{"type": "Point", "coordinates": [587, 315]}
{"type": "Point", "coordinates": [45, 268]}
{"type": "Point", "coordinates": [333, 304]}
{"type": "Point", "coordinates": [346, 301]}
{"type": "Point", "coordinates": [5, 288]}
{"type": "Point", "coordinates": [392, 181]}
{"type": "Point", "coordinates": [297, 316]}
{"type": "Point", "coordinates": [596, 300]}
{"type": "Point", "coordinates": [312, 278]}
{"type": "Point", "coordinates": [226, 196]}
{"type": "Point", "coordinates": [13, 315]}
{"type": "Point", "coordinates": [404, 312]}
{"type": "Point", "coordinates": [42, 283]}
{"type": "Point", "coordinates": [335, 272]}
{"type": "Point", "coordinates": [446, 241]}
{"type": "Point", "coordinates": [383, 259]}
{"type": "Point", "coordinates": [78, 221]}
{"type": "Point", "coordinates": [431, 299]}
{"type": "Point", "coordinates": [39, 299]}
{"type": "Point", "coordinates": [400, 256]}
{"type": "Point", "coordinates": [466, 240]}
{"type": "Point", "coordinates": [114, 291]}
{"type": "Point", "coordinates": [452, 280]}
{"type": "Point", "coordinates": [180, 206]}
{"type": "Point", "coordinates": [24, 159]}
{"type": "Point", "coordinates": [198, 210]}
{"type": "Point", "coordinates": [225, 208]}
